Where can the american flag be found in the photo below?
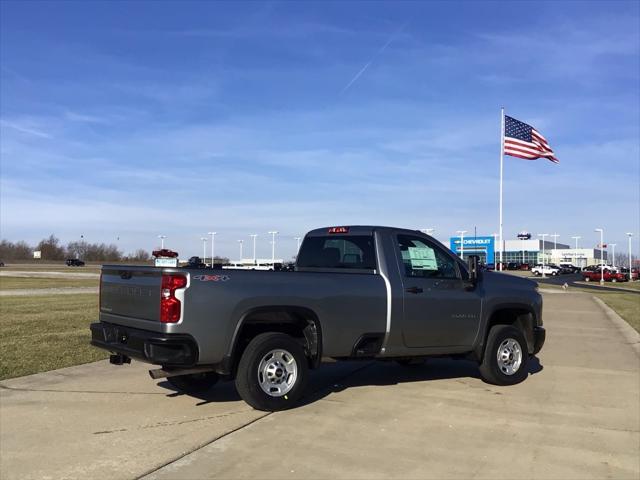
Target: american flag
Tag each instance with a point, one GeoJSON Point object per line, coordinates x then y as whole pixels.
{"type": "Point", "coordinates": [524, 141]}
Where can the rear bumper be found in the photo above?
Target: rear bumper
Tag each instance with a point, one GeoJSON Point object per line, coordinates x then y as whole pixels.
{"type": "Point", "coordinates": [539, 336]}
{"type": "Point", "coordinates": [151, 347]}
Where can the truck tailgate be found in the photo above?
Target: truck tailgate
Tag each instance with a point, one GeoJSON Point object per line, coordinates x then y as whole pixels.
{"type": "Point", "coordinates": [131, 292]}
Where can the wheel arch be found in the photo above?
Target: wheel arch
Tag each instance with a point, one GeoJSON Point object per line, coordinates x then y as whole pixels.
{"type": "Point", "coordinates": [519, 315]}
{"type": "Point", "coordinates": [300, 322]}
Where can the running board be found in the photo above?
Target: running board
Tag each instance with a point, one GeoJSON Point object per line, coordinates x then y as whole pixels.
{"type": "Point", "coordinates": [174, 372]}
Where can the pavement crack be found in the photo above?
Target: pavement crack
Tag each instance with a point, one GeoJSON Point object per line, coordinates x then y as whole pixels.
{"type": "Point", "coordinates": [241, 427]}
{"type": "Point", "coordinates": [202, 445]}
{"type": "Point", "coordinates": [49, 390]}
{"type": "Point", "coordinates": [170, 423]}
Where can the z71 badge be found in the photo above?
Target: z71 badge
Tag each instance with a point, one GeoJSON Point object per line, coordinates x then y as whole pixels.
{"type": "Point", "coordinates": [211, 278]}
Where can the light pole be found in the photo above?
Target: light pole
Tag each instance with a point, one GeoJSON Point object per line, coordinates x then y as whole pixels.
{"type": "Point", "coordinates": [162, 237]}
{"type": "Point", "coordinates": [601, 230]}
{"type": "Point", "coordinates": [273, 234]}
{"type": "Point", "coordinates": [575, 253]}
{"type": "Point", "coordinates": [241, 242]}
{"type": "Point", "coordinates": [495, 242]}
{"type": "Point", "coordinates": [213, 242]}
{"type": "Point", "coordinates": [629, 234]}
{"type": "Point", "coordinates": [297, 239]}
{"type": "Point", "coordinates": [522, 246]}
{"type": "Point", "coordinates": [543, 235]}
{"type": "Point", "coordinates": [555, 244]}
{"type": "Point", "coordinates": [613, 254]}
{"type": "Point", "coordinates": [204, 249]}
{"type": "Point", "coordinates": [254, 235]}
{"type": "Point", "coordinates": [461, 232]}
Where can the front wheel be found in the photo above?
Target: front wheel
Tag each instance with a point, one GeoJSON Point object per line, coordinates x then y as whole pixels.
{"type": "Point", "coordinates": [505, 356]}
{"type": "Point", "coordinates": [272, 372]}
{"type": "Point", "coordinates": [194, 383]}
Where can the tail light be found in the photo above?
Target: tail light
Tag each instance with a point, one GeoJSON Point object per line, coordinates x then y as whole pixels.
{"type": "Point", "coordinates": [170, 306]}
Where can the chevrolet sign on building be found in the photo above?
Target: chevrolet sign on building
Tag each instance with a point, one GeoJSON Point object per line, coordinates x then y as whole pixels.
{"type": "Point", "coordinates": [482, 246]}
{"type": "Point", "coordinates": [526, 250]}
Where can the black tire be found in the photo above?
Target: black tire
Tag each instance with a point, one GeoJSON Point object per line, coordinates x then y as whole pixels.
{"type": "Point", "coordinates": [411, 362]}
{"type": "Point", "coordinates": [490, 369]}
{"type": "Point", "coordinates": [194, 383]}
{"type": "Point", "coordinates": [249, 373]}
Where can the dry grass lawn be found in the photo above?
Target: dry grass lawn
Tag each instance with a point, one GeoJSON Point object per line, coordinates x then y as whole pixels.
{"type": "Point", "coordinates": [41, 333]}
{"type": "Point", "coordinates": [627, 305]}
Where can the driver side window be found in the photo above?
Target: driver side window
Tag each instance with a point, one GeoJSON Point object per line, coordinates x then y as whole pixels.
{"type": "Point", "coordinates": [423, 260]}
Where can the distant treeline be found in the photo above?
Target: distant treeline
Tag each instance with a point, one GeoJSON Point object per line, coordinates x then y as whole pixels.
{"type": "Point", "coordinates": [52, 249]}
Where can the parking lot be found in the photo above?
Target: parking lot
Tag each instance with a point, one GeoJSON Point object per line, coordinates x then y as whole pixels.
{"type": "Point", "coordinates": [576, 416]}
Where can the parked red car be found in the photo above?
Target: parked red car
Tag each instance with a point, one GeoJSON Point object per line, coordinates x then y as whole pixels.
{"type": "Point", "coordinates": [609, 276]}
{"type": "Point", "coordinates": [165, 253]}
{"type": "Point", "coordinates": [634, 272]}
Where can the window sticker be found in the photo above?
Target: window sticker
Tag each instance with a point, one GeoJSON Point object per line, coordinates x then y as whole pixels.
{"type": "Point", "coordinates": [422, 258]}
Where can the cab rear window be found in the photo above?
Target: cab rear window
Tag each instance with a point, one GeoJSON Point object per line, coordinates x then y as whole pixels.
{"type": "Point", "coordinates": [338, 251]}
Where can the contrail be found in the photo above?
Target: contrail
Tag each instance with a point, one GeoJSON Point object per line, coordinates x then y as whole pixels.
{"type": "Point", "coordinates": [376, 55]}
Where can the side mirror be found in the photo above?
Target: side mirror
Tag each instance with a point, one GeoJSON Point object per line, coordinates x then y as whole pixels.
{"type": "Point", "coordinates": [473, 262]}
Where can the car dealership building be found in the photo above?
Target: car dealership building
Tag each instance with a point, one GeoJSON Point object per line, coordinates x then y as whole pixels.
{"type": "Point", "coordinates": [525, 250]}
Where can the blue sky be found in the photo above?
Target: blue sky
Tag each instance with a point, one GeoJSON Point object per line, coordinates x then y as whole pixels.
{"type": "Point", "coordinates": [133, 119]}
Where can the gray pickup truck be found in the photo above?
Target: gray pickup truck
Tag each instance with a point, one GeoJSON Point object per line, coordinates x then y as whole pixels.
{"type": "Point", "coordinates": [356, 292]}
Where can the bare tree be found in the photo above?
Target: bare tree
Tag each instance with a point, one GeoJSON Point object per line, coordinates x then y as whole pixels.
{"type": "Point", "coordinates": [140, 255]}
{"type": "Point", "coordinates": [51, 249]}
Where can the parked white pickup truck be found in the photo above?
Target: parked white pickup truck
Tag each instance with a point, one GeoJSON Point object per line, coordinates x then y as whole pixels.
{"type": "Point", "coordinates": [545, 270]}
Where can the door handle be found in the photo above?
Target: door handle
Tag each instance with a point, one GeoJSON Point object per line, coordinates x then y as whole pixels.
{"type": "Point", "coordinates": [415, 290]}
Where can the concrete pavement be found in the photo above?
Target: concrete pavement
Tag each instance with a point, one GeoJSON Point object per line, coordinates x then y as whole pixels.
{"type": "Point", "coordinates": [576, 416]}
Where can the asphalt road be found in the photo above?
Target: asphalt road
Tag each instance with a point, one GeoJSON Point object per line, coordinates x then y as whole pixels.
{"type": "Point", "coordinates": [47, 291]}
{"type": "Point", "coordinates": [29, 292]}
{"type": "Point", "coordinates": [47, 274]}
{"type": "Point", "coordinates": [576, 416]}
{"type": "Point", "coordinates": [572, 281]}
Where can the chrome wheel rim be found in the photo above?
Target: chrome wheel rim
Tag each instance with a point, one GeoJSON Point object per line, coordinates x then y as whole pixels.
{"type": "Point", "coordinates": [509, 356]}
{"type": "Point", "coordinates": [277, 373]}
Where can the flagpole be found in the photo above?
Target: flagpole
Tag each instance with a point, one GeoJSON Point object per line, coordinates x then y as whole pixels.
{"type": "Point", "coordinates": [501, 168]}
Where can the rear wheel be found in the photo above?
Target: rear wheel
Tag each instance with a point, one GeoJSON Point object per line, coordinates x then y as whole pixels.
{"type": "Point", "coordinates": [505, 356]}
{"type": "Point", "coordinates": [272, 372]}
{"type": "Point", "coordinates": [194, 383]}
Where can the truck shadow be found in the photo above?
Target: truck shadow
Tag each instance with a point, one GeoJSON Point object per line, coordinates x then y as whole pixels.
{"type": "Point", "coordinates": [337, 377]}
{"type": "Point", "coordinates": [221, 392]}
{"type": "Point", "coordinates": [377, 373]}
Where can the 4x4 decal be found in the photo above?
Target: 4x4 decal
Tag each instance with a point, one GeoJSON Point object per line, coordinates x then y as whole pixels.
{"type": "Point", "coordinates": [211, 278]}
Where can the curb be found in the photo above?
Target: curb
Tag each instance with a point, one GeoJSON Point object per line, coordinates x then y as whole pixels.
{"type": "Point", "coordinates": [627, 331]}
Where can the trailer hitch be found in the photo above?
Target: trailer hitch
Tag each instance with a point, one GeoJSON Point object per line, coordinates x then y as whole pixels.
{"type": "Point", "coordinates": [119, 359]}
